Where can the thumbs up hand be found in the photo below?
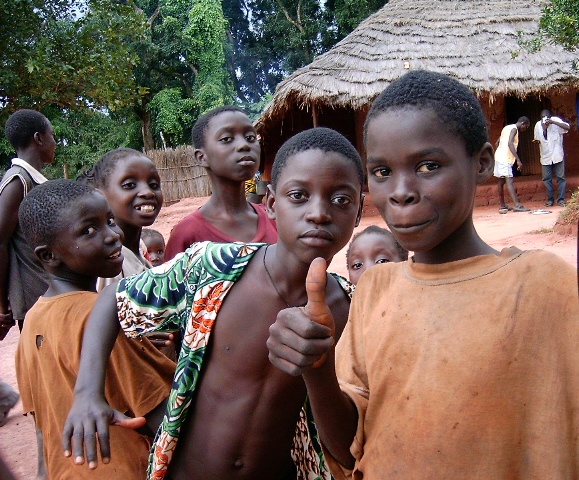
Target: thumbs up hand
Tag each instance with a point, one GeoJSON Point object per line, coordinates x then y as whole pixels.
{"type": "Point", "coordinates": [317, 309]}
{"type": "Point", "coordinates": [301, 337]}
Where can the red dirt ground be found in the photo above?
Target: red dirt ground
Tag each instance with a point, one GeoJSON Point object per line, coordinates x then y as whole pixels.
{"type": "Point", "coordinates": [527, 231]}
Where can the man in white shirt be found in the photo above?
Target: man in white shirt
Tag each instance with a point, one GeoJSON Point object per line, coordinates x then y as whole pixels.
{"type": "Point", "coordinates": [549, 134]}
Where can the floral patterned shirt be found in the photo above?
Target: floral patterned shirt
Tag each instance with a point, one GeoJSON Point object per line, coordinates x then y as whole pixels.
{"type": "Point", "coordinates": [185, 294]}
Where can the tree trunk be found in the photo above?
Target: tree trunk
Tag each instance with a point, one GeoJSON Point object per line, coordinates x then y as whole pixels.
{"type": "Point", "coordinates": [145, 118]}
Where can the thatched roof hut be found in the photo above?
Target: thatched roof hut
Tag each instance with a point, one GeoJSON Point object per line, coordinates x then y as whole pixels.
{"type": "Point", "coordinates": [475, 41]}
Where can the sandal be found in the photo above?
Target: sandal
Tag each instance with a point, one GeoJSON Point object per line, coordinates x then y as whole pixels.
{"type": "Point", "coordinates": [521, 208]}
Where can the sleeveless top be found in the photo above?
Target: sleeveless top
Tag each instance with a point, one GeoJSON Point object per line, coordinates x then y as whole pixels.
{"type": "Point", "coordinates": [27, 280]}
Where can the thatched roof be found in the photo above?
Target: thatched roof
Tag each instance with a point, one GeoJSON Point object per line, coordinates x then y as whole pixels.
{"type": "Point", "coordinates": [474, 41]}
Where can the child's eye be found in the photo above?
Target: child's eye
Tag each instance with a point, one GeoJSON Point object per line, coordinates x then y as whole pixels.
{"type": "Point", "coordinates": [111, 222]}
{"type": "Point", "coordinates": [381, 172]}
{"type": "Point", "coordinates": [155, 185]}
{"type": "Point", "coordinates": [341, 200]}
{"type": "Point", "coordinates": [89, 230]}
{"type": "Point", "coordinates": [382, 260]}
{"type": "Point", "coordinates": [428, 167]}
{"type": "Point", "coordinates": [226, 139]}
{"type": "Point", "coordinates": [129, 185]}
{"type": "Point", "coordinates": [160, 252]}
{"type": "Point", "coordinates": [251, 137]}
{"type": "Point", "coordinates": [356, 266]}
{"type": "Point", "coordinates": [296, 195]}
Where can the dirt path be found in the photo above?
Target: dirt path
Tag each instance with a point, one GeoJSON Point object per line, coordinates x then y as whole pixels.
{"type": "Point", "coordinates": [526, 231]}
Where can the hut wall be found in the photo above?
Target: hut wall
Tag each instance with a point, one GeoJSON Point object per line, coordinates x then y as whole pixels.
{"type": "Point", "coordinates": [180, 177]}
{"type": "Point", "coordinates": [564, 105]}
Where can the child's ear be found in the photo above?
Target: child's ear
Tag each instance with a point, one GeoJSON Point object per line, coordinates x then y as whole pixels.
{"type": "Point", "coordinates": [486, 162]}
{"type": "Point", "coordinates": [359, 216]}
{"type": "Point", "coordinates": [38, 138]}
{"type": "Point", "coordinates": [270, 202]}
{"type": "Point", "coordinates": [200, 159]}
{"type": "Point", "coordinates": [46, 256]}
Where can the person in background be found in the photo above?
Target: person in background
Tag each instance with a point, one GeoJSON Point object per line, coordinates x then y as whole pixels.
{"type": "Point", "coordinates": [372, 246]}
{"type": "Point", "coordinates": [22, 278]}
{"type": "Point", "coordinates": [548, 134]}
{"type": "Point", "coordinates": [155, 244]}
{"type": "Point", "coordinates": [505, 156]}
{"type": "Point", "coordinates": [226, 145]}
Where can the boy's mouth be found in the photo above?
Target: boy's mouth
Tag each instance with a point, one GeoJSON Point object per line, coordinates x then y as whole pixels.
{"type": "Point", "coordinates": [247, 159]}
{"type": "Point", "coordinates": [116, 254]}
{"type": "Point", "coordinates": [146, 208]}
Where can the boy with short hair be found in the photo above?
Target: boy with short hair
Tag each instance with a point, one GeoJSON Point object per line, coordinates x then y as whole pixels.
{"type": "Point", "coordinates": [22, 278]}
{"type": "Point", "coordinates": [227, 146]}
{"type": "Point", "coordinates": [73, 233]}
{"type": "Point", "coordinates": [230, 414]}
{"type": "Point", "coordinates": [459, 363]}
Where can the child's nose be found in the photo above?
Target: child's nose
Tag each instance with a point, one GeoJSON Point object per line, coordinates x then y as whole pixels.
{"type": "Point", "coordinates": [403, 191]}
{"type": "Point", "coordinates": [113, 235]}
{"type": "Point", "coordinates": [318, 211]}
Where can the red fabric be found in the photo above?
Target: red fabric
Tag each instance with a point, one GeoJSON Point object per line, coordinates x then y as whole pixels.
{"type": "Point", "coordinates": [195, 228]}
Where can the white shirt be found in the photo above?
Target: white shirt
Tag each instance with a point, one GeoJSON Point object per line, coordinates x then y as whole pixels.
{"type": "Point", "coordinates": [552, 147]}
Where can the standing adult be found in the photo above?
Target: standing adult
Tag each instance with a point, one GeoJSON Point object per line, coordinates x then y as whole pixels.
{"type": "Point", "coordinates": [549, 134]}
{"type": "Point", "coordinates": [505, 156]}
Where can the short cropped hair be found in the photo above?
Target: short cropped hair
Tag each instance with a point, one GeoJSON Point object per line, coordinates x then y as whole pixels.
{"type": "Point", "coordinates": [151, 233]}
{"type": "Point", "coordinates": [107, 163]}
{"type": "Point", "coordinates": [524, 120]}
{"type": "Point", "coordinates": [320, 138]}
{"type": "Point", "coordinates": [42, 211]}
{"type": "Point", "coordinates": [22, 125]}
{"type": "Point", "coordinates": [454, 103]}
{"type": "Point", "coordinates": [381, 231]}
{"type": "Point", "coordinates": [202, 123]}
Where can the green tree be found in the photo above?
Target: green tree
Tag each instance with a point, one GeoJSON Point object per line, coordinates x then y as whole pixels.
{"type": "Point", "coordinates": [560, 23]}
{"type": "Point", "coordinates": [182, 69]}
{"type": "Point", "coordinates": [272, 38]}
{"type": "Point", "coordinates": [72, 54]}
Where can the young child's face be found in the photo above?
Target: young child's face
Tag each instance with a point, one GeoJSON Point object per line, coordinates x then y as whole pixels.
{"type": "Point", "coordinates": [316, 204]}
{"type": "Point", "coordinates": [156, 249]}
{"type": "Point", "coordinates": [231, 147]}
{"type": "Point", "coordinates": [368, 250]}
{"type": "Point", "coordinates": [134, 191]}
{"type": "Point", "coordinates": [90, 242]}
{"type": "Point", "coordinates": [421, 178]}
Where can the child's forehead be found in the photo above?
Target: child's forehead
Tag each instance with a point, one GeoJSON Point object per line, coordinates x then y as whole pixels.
{"type": "Point", "coordinates": [89, 205]}
{"type": "Point", "coordinates": [319, 167]}
{"type": "Point", "coordinates": [135, 164]}
{"type": "Point", "coordinates": [228, 119]}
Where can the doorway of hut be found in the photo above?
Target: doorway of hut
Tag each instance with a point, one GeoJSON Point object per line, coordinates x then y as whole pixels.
{"type": "Point", "coordinates": [531, 107]}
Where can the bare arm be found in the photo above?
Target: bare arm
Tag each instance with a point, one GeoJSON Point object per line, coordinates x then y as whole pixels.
{"type": "Point", "coordinates": [512, 147]}
{"type": "Point", "coordinates": [10, 200]}
{"type": "Point", "coordinates": [301, 343]}
{"type": "Point", "coordinates": [90, 414]}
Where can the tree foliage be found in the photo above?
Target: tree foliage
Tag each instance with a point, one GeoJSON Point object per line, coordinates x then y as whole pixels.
{"type": "Point", "coordinates": [149, 68]}
{"type": "Point", "coordinates": [272, 38]}
{"type": "Point", "coordinates": [181, 68]}
{"type": "Point", "coordinates": [560, 23]}
{"type": "Point", "coordinates": [75, 54]}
